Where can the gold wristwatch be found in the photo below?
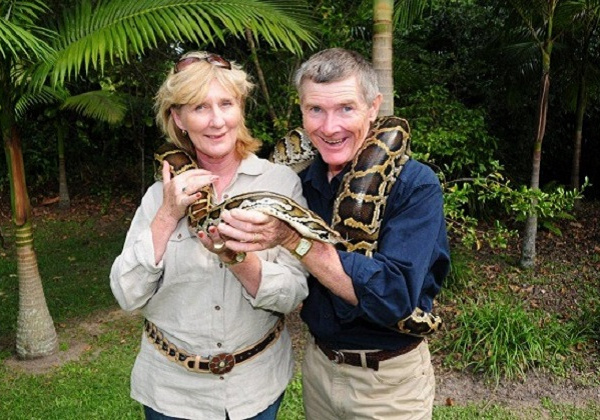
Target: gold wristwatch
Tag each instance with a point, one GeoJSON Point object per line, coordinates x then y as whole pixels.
{"type": "Point", "coordinates": [302, 248]}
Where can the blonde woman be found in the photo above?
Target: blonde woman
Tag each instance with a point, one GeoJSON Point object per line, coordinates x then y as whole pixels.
{"type": "Point", "coordinates": [214, 344]}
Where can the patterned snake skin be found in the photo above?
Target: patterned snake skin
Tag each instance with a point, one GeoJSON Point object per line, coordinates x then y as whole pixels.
{"type": "Point", "coordinates": [358, 208]}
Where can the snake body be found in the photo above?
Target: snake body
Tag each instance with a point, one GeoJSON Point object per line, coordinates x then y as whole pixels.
{"type": "Point", "coordinates": [202, 213]}
{"type": "Point", "coordinates": [304, 221]}
{"type": "Point", "coordinates": [360, 204]}
{"type": "Point", "coordinates": [358, 208]}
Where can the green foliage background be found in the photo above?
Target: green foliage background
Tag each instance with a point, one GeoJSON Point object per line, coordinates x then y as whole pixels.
{"type": "Point", "coordinates": [470, 101]}
{"type": "Point", "coordinates": [469, 94]}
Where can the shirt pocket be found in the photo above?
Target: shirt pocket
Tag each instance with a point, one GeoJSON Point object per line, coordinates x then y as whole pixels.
{"type": "Point", "coordinates": [186, 260]}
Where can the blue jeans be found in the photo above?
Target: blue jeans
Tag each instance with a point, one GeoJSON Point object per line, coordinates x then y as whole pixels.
{"type": "Point", "coordinates": [269, 413]}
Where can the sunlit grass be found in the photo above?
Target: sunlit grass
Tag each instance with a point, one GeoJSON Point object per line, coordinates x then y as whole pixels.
{"type": "Point", "coordinates": [96, 386]}
{"type": "Point", "coordinates": [74, 260]}
{"type": "Point", "coordinates": [494, 334]}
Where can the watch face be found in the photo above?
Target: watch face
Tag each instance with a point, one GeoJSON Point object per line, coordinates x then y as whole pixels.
{"type": "Point", "coordinates": [303, 247]}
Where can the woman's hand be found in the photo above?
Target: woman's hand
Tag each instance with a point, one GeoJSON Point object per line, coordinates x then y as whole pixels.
{"type": "Point", "coordinates": [180, 191]}
{"type": "Point", "coordinates": [212, 240]}
{"type": "Point", "coordinates": [215, 243]}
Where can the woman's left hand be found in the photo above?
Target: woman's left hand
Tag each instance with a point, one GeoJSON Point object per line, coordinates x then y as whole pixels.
{"type": "Point", "coordinates": [212, 240]}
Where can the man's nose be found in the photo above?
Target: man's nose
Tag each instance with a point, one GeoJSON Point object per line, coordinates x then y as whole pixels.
{"type": "Point", "coordinates": [330, 125]}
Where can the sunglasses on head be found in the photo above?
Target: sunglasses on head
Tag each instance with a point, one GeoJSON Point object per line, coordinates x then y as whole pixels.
{"type": "Point", "coordinates": [214, 59]}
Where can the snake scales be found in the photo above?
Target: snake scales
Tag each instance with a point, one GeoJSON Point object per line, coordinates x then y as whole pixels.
{"type": "Point", "coordinates": [358, 208]}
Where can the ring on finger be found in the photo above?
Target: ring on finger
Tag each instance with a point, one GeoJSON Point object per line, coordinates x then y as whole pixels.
{"type": "Point", "coordinates": [218, 246]}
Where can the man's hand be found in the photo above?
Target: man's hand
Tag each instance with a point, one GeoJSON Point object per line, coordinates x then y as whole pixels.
{"type": "Point", "coordinates": [251, 230]}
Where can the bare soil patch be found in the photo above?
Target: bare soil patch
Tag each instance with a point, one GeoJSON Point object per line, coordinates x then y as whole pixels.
{"type": "Point", "coordinates": [76, 338]}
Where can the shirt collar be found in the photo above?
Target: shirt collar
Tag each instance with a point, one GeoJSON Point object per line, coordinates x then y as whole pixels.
{"type": "Point", "coordinates": [316, 174]}
{"type": "Point", "coordinates": [251, 165]}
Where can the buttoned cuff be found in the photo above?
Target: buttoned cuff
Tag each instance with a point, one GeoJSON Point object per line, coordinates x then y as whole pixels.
{"type": "Point", "coordinates": [143, 249]}
{"type": "Point", "coordinates": [282, 287]}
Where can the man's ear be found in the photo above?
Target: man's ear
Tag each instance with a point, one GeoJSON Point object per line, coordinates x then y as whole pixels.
{"type": "Point", "coordinates": [374, 109]}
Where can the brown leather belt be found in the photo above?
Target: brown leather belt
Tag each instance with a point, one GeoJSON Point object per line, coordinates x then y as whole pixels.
{"type": "Point", "coordinates": [372, 359]}
{"type": "Point", "coordinates": [218, 364]}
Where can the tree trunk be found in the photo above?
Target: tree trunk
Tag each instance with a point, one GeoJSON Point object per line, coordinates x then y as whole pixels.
{"type": "Point", "coordinates": [528, 252]}
{"type": "Point", "coordinates": [579, 114]}
{"type": "Point", "coordinates": [36, 335]}
{"type": "Point", "coordinates": [383, 52]}
{"type": "Point", "coordinates": [261, 77]}
{"type": "Point", "coordinates": [64, 202]}
{"type": "Point", "coordinates": [580, 109]}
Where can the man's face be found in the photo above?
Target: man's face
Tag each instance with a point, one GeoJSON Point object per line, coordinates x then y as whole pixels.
{"type": "Point", "coordinates": [337, 119]}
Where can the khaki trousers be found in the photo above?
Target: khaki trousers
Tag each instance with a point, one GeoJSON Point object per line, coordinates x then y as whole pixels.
{"type": "Point", "coordinates": [402, 389]}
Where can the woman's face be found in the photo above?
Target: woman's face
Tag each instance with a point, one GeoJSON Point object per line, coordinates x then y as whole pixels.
{"type": "Point", "coordinates": [212, 125]}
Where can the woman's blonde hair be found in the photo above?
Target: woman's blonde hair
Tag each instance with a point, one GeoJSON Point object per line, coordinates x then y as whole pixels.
{"type": "Point", "coordinates": [190, 85]}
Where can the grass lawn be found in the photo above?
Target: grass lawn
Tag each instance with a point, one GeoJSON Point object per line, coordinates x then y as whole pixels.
{"type": "Point", "coordinates": [493, 317]}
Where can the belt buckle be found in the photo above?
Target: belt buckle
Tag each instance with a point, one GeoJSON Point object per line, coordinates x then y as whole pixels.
{"type": "Point", "coordinates": [221, 363]}
{"type": "Point", "coordinates": [338, 357]}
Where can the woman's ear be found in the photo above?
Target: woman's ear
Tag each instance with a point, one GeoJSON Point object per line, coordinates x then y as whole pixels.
{"type": "Point", "coordinates": [177, 119]}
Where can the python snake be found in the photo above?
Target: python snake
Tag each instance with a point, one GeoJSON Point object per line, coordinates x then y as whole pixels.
{"type": "Point", "coordinates": [358, 208]}
{"type": "Point", "coordinates": [202, 213]}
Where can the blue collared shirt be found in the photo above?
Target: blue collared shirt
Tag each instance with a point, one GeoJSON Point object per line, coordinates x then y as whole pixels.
{"type": "Point", "coordinates": [405, 272]}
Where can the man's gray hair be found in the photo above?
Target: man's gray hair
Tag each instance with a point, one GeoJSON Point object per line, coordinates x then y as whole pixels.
{"type": "Point", "coordinates": [336, 64]}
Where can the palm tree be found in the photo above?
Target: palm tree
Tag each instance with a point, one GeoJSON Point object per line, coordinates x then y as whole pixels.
{"type": "Point", "coordinates": [37, 52]}
{"type": "Point", "coordinates": [383, 11]}
{"type": "Point", "coordinates": [388, 14]}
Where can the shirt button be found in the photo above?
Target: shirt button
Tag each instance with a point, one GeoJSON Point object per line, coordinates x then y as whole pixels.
{"type": "Point", "coordinates": [179, 236]}
{"type": "Point", "coordinates": [217, 308]}
{"type": "Point", "coordinates": [221, 377]}
{"type": "Point", "coordinates": [225, 196]}
{"type": "Point", "coordinates": [221, 265]}
{"type": "Point", "coordinates": [219, 345]}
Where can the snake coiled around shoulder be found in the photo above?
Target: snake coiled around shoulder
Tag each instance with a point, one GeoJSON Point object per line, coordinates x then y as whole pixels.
{"type": "Point", "coordinates": [358, 208]}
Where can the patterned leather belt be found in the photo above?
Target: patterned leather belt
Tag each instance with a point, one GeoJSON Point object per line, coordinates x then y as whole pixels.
{"type": "Point", "coordinates": [371, 359]}
{"type": "Point", "coordinates": [218, 364]}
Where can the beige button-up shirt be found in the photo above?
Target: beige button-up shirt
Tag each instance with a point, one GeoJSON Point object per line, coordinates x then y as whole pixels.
{"type": "Point", "coordinates": [202, 308]}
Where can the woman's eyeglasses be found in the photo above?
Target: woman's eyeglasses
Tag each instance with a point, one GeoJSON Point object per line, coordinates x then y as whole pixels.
{"type": "Point", "coordinates": [214, 59]}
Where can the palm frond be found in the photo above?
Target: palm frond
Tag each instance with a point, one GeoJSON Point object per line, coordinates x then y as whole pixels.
{"type": "Point", "coordinates": [44, 96]}
{"type": "Point", "coordinates": [25, 12]}
{"type": "Point", "coordinates": [90, 34]}
{"type": "Point", "coordinates": [406, 12]}
{"type": "Point", "coordinates": [583, 12]}
{"type": "Point", "coordinates": [100, 105]}
{"type": "Point", "coordinates": [16, 41]}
